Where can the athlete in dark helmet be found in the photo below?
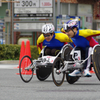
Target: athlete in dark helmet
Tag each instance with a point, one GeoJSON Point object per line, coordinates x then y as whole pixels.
{"type": "Point", "coordinates": [83, 40]}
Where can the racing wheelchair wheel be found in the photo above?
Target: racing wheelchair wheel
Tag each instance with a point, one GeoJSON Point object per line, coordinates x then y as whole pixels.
{"type": "Point", "coordinates": [70, 79]}
{"type": "Point", "coordinates": [26, 74]}
{"type": "Point", "coordinates": [43, 73]}
{"type": "Point", "coordinates": [96, 61]}
{"type": "Point", "coordinates": [58, 78]}
{"type": "Point", "coordinates": [67, 50]}
{"type": "Point", "coordinates": [67, 57]}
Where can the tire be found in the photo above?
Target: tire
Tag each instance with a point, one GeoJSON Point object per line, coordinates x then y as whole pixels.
{"type": "Point", "coordinates": [26, 75]}
{"type": "Point", "coordinates": [67, 52]}
{"type": "Point", "coordinates": [58, 79]}
{"type": "Point", "coordinates": [43, 73]}
{"type": "Point", "coordinates": [96, 61]}
{"type": "Point", "coordinates": [67, 57]}
{"type": "Point", "coordinates": [71, 80]}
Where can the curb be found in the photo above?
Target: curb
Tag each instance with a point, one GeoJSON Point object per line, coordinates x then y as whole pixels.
{"type": "Point", "coordinates": [9, 62]}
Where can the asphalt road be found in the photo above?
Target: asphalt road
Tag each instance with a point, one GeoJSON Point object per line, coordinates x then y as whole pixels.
{"type": "Point", "coordinates": [13, 88]}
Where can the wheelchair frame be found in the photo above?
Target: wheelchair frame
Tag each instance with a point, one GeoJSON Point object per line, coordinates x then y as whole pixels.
{"type": "Point", "coordinates": [43, 62]}
{"type": "Point", "coordinates": [69, 66]}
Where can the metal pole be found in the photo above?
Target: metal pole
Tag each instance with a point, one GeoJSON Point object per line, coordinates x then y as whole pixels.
{"type": "Point", "coordinates": [58, 7]}
{"type": "Point", "coordinates": [54, 12]}
{"type": "Point", "coordinates": [8, 25]}
{"type": "Point", "coordinates": [12, 25]}
{"type": "Point", "coordinates": [35, 37]}
{"type": "Point", "coordinates": [83, 23]}
{"type": "Point", "coordinates": [69, 9]}
{"type": "Point", "coordinates": [32, 38]}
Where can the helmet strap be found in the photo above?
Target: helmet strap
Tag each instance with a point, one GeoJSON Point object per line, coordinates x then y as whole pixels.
{"type": "Point", "coordinates": [73, 32]}
{"type": "Point", "coordinates": [53, 33]}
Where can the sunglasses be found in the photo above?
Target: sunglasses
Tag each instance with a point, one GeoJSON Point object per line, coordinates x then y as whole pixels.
{"type": "Point", "coordinates": [67, 30]}
{"type": "Point", "coordinates": [47, 35]}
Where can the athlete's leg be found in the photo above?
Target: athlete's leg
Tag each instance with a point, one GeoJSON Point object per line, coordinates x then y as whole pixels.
{"type": "Point", "coordinates": [47, 51]}
{"type": "Point", "coordinates": [76, 72]}
{"type": "Point", "coordinates": [54, 52]}
{"type": "Point", "coordinates": [88, 51]}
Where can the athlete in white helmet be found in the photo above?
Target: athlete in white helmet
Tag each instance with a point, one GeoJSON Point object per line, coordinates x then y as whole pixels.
{"type": "Point", "coordinates": [51, 39]}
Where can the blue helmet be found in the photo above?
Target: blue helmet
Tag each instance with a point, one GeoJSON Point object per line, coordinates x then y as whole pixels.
{"type": "Point", "coordinates": [70, 24]}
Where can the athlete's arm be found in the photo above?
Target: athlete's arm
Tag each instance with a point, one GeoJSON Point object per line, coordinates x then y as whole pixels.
{"type": "Point", "coordinates": [62, 37]}
{"type": "Point", "coordinates": [88, 32]}
{"type": "Point", "coordinates": [39, 42]}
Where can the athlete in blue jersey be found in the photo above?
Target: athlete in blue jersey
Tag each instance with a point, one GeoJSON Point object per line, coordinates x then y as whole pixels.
{"type": "Point", "coordinates": [53, 41]}
{"type": "Point", "coordinates": [83, 41]}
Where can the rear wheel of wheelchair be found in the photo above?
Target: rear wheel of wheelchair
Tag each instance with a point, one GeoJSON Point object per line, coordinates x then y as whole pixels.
{"type": "Point", "coordinates": [58, 78]}
{"type": "Point", "coordinates": [26, 74]}
{"type": "Point", "coordinates": [96, 61]}
{"type": "Point", "coordinates": [67, 57]}
{"type": "Point", "coordinates": [70, 79]}
{"type": "Point", "coordinates": [43, 73]}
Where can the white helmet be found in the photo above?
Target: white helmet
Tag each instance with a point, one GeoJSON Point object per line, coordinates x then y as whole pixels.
{"type": "Point", "coordinates": [48, 28]}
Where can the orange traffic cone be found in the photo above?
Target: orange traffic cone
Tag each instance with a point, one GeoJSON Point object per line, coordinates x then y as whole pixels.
{"type": "Point", "coordinates": [28, 50]}
{"type": "Point", "coordinates": [91, 71]}
{"type": "Point", "coordinates": [26, 62]}
{"type": "Point", "coordinates": [22, 52]}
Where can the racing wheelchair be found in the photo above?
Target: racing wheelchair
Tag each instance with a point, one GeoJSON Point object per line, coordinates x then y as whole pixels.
{"type": "Point", "coordinates": [70, 64]}
{"type": "Point", "coordinates": [42, 65]}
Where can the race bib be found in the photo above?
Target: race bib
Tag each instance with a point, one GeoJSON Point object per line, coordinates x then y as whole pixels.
{"type": "Point", "coordinates": [77, 55]}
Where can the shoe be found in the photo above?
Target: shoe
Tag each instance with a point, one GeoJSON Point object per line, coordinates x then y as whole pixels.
{"type": "Point", "coordinates": [75, 73]}
{"type": "Point", "coordinates": [87, 73]}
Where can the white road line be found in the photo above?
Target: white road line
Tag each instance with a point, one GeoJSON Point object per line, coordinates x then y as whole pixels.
{"type": "Point", "coordinates": [8, 66]}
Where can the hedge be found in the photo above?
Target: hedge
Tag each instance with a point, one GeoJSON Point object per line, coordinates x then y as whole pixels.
{"type": "Point", "coordinates": [12, 52]}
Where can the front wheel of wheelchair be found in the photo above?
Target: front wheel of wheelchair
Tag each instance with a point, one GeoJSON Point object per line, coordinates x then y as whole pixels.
{"type": "Point", "coordinates": [71, 80]}
{"type": "Point", "coordinates": [26, 74]}
{"type": "Point", "coordinates": [58, 78]}
{"type": "Point", "coordinates": [96, 61]}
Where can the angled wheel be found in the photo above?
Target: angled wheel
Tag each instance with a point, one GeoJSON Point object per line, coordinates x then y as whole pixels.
{"type": "Point", "coordinates": [43, 73]}
{"type": "Point", "coordinates": [96, 61]}
{"type": "Point", "coordinates": [67, 50]}
{"type": "Point", "coordinates": [71, 80]}
{"type": "Point", "coordinates": [25, 73]}
{"type": "Point", "coordinates": [67, 57]}
{"type": "Point", "coordinates": [58, 78]}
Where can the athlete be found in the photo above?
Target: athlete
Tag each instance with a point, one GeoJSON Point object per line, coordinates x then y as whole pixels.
{"type": "Point", "coordinates": [83, 40]}
{"type": "Point", "coordinates": [52, 39]}
{"type": "Point", "coordinates": [63, 31]}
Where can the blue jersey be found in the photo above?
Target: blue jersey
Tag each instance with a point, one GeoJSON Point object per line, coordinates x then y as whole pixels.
{"type": "Point", "coordinates": [57, 42]}
{"type": "Point", "coordinates": [54, 43]}
{"type": "Point", "coordinates": [84, 39]}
